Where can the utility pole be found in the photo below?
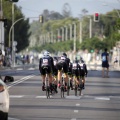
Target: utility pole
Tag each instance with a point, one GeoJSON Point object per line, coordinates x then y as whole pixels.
{"type": "Point", "coordinates": [62, 33]}
{"type": "Point", "coordinates": [1, 28]}
{"type": "Point", "coordinates": [80, 31]}
{"type": "Point", "coordinates": [90, 28]}
{"type": "Point", "coordinates": [70, 31]}
{"type": "Point", "coordinates": [74, 37]}
{"type": "Point", "coordinates": [13, 52]}
{"type": "Point", "coordinates": [66, 33]}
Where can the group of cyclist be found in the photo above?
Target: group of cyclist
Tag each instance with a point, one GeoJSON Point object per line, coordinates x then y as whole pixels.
{"type": "Point", "coordinates": [56, 66]}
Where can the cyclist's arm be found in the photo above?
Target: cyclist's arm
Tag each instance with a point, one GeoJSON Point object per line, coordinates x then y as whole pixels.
{"type": "Point", "coordinates": [40, 64]}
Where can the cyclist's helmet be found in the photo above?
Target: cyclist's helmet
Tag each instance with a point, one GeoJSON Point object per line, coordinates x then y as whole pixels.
{"type": "Point", "coordinates": [81, 61]}
{"type": "Point", "coordinates": [46, 53]}
{"type": "Point", "coordinates": [64, 54]}
{"type": "Point", "coordinates": [76, 61]}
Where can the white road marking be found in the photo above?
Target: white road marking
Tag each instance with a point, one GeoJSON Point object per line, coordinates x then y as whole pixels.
{"type": "Point", "coordinates": [19, 69]}
{"type": "Point", "coordinates": [31, 69]}
{"type": "Point", "coordinates": [42, 96]}
{"type": "Point", "coordinates": [73, 119]}
{"type": "Point", "coordinates": [72, 97]}
{"type": "Point", "coordinates": [16, 96]}
{"type": "Point", "coordinates": [78, 104]}
{"type": "Point", "coordinates": [101, 98]}
{"type": "Point", "coordinates": [20, 80]}
{"type": "Point", "coordinates": [75, 111]}
{"type": "Point", "coordinates": [9, 118]}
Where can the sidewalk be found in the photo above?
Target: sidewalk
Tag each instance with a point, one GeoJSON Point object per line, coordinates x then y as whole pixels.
{"type": "Point", "coordinates": [96, 65]}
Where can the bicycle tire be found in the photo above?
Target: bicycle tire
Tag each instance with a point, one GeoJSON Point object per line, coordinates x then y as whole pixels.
{"type": "Point", "coordinates": [62, 91]}
{"type": "Point", "coordinates": [75, 90]}
{"type": "Point", "coordinates": [68, 90]}
{"type": "Point", "coordinates": [80, 92]}
{"type": "Point", "coordinates": [48, 92]}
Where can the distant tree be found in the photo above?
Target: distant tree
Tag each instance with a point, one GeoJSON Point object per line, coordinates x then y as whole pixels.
{"type": "Point", "coordinates": [21, 34]}
{"type": "Point", "coordinates": [66, 11]}
{"type": "Point", "coordinates": [84, 11]}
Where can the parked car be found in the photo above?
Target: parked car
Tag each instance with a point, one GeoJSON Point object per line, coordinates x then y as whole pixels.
{"type": "Point", "coordinates": [4, 101]}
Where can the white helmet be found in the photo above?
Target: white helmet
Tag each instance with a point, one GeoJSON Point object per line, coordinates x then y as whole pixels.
{"type": "Point", "coordinates": [46, 53]}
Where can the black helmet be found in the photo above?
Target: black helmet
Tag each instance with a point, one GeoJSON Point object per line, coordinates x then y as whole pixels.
{"type": "Point", "coordinates": [76, 59]}
{"type": "Point", "coordinates": [65, 54]}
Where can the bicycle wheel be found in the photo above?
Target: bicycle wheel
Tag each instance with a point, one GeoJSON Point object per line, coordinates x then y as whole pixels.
{"type": "Point", "coordinates": [75, 90]}
{"type": "Point", "coordinates": [48, 92]}
{"type": "Point", "coordinates": [62, 91]}
{"type": "Point", "coordinates": [68, 90]}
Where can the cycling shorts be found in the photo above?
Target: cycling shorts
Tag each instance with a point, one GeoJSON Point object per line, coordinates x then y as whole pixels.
{"type": "Point", "coordinates": [45, 69]}
{"type": "Point", "coordinates": [62, 65]}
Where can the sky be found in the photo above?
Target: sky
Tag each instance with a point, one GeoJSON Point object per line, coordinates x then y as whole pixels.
{"type": "Point", "coordinates": [33, 8]}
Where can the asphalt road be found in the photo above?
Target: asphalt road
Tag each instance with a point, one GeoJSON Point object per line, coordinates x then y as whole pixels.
{"type": "Point", "coordinates": [99, 101]}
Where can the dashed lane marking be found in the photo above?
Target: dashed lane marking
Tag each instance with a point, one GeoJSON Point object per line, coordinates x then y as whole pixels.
{"type": "Point", "coordinates": [73, 97]}
{"type": "Point", "coordinates": [101, 98]}
{"type": "Point", "coordinates": [75, 111]}
{"type": "Point", "coordinates": [42, 96]}
{"type": "Point", "coordinates": [77, 104]}
{"type": "Point", "coordinates": [73, 119]}
{"type": "Point", "coordinates": [9, 118]}
{"type": "Point", "coordinates": [16, 96]}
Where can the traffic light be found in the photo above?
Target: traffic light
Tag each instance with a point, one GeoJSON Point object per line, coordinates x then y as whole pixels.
{"type": "Point", "coordinates": [41, 19]}
{"type": "Point", "coordinates": [96, 17]}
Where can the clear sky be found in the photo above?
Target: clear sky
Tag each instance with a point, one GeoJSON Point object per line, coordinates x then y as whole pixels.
{"type": "Point", "coordinates": [33, 8]}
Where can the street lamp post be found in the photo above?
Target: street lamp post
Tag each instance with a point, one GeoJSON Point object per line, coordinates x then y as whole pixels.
{"type": "Point", "coordinates": [1, 28]}
{"type": "Point", "coordinates": [13, 34]}
{"type": "Point", "coordinates": [11, 28]}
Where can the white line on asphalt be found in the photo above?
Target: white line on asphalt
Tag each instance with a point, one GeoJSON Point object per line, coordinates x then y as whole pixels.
{"type": "Point", "coordinates": [73, 119]}
{"type": "Point", "coordinates": [77, 104]}
{"type": "Point", "coordinates": [19, 69]}
{"type": "Point", "coordinates": [31, 69]}
{"type": "Point", "coordinates": [72, 97]}
{"type": "Point", "coordinates": [16, 96]}
{"type": "Point", "coordinates": [42, 96]}
{"type": "Point", "coordinates": [9, 118]}
{"type": "Point", "coordinates": [75, 111]}
{"type": "Point", "coordinates": [101, 98]}
{"type": "Point", "coordinates": [20, 80]}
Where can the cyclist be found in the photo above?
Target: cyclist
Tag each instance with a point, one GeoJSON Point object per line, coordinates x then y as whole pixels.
{"type": "Point", "coordinates": [63, 63]}
{"type": "Point", "coordinates": [76, 70]}
{"type": "Point", "coordinates": [46, 63]}
{"type": "Point", "coordinates": [83, 72]}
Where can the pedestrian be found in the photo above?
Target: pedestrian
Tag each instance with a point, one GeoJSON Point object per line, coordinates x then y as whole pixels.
{"type": "Point", "coordinates": [105, 63]}
{"type": "Point", "coordinates": [115, 60]}
{"type": "Point", "coordinates": [1, 58]}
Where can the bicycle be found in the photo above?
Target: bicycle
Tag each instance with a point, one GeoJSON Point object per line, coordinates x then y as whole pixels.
{"type": "Point", "coordinates": [76, 86]}
{"type": "Point", "coordinates": [47, 84]}
{"type": "Point", "coordinates": [62, 88]}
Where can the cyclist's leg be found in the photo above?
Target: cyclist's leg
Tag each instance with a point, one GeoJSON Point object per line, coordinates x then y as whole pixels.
{"type": "Point", "coordinates": [59, 73]}
{"type": "Point", "coordinates": [65, 69]}
{"type": "Point", "coordinates": [42, 71]}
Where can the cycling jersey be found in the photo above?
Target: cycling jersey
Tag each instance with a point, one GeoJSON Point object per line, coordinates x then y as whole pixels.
{"type": "Point", "coordinates": [46, 62]}
{"type": "Point", "coordinates": [63, 62]}
{"type": "Point", "coordinates": [76, 69]}
{"type": "Point", "coordinates": [83, 69]}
